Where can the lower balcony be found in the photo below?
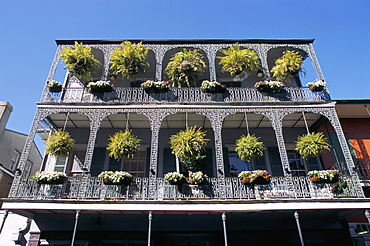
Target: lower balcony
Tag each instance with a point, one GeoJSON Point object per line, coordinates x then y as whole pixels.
{"type": "Point", "coordinates": [93, 188]}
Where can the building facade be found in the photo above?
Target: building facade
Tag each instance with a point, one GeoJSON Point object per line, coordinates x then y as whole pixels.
{"type": "Point", "coordinates": [150, 211]}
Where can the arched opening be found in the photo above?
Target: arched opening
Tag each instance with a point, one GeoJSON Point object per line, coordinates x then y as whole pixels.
{"type": "Point", "coordinates": [175, 123]}
{"type": "Point", "coordinates": [234, 127]}
{"type": "Point", "coordinates": [139, 126]}
{"type": "Point", "coordinates": [246, 80]}
{"type": "Point", "coordinates": [170, 53]}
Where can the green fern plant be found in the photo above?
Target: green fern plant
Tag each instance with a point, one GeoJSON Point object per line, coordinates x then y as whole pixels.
{"type": "Point", "coordinates": [188, 146]}
{"type": "Point", "coordinates": [237, 60]}
{"type": "Point", "coordinates": [123, 144]}
{"type": "Point", "coordinates": [59, 143]}
{"type": "Point", "coordinates": [80, 61]}
{"type": "Point", "coordinates": [287, 65]}
{"type": "Point", "coordinates": [310, 145]}
{"type": "Point", "coordinates": [185, 68]}
{"type": "Point", "coordinates": [129, 59]}
{"type": "Point", "coordinates": [249, 147]}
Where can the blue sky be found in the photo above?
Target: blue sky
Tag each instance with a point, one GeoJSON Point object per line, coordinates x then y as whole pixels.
{"type": "Point", "coordinates": [341, 30]}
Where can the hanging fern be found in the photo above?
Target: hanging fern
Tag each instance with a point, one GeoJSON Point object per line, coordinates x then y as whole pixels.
{"type": "Point", "coordinates": [59, 143]}
{"type": "Point", "coordinates": [123, 144]}
{"type": "Point", "coordinates": [80, 61]}
{"type": "Point", "coordinates": [186, 68]}
{"type": "Point", "coordinates": [129, 59]}
{"type": "Point", "coordinates": [310, 145]}
{"type": "Point", "coordinates": [238, 60]}
{"type": "Point", "coordinates": [188, 146]}
{"type": "Point", "coordinates": [287, 65]}
{"type": "Point", "coordinates": [249, 147]}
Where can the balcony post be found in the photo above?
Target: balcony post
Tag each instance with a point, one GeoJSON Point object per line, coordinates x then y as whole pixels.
{"type": "Point", "coordinates": [296, 216]}
{"type": "Point", "coordinates": [224, 226]}
{"type": "Point", "coordinates": [150, 218]}
{"type": "Point", "coordinates": [77, 217]}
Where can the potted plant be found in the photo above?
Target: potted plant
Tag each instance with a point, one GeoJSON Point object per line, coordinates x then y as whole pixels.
{"type": "Point", "coordinates": [254, 177]}
{"type": "Point", "coordinates": [188, 146]}
{"type": "Point", "coordinates": [123, 144]}
{"type": "Point", "coordinates": [317, 85]}
{"type": "Point", "coordinates": [175, 178]}
{"type": "Point", "coordinates": [54, 86]}
{"type": "Point", "coordinates": [249, 147]}
{"type": "Point", "coordinates": [116, 178]}
{"type": "Point", "coordinates": [155, 86]}
{"type": "Point", "coordinates": [197, 178]}
{"type": "Point", "coordinates": [129, 59]}
{"type": "Point", "coordinates": [80, 61]}
{"type": "Point", "coordinates": [269, 86]}
{"type": "Point", "coordinates": [324, 176]}
{"type": "Point", "coordinates": [59, 143]}
{"type": "Point", "coordinates": [185, 68]}
{"type": "Point", "coordinates": [237, 60]}
{"type": "Point", "coordinates": [99, 86]}
{"type": "Point", "coordinates": [43, 177]}
{"type": "Point", "coordinates": [312, 144]}
{"type": "Point", "coordinates": [287, 65]}
{"type": "Point", "coordinates": [212, 87]}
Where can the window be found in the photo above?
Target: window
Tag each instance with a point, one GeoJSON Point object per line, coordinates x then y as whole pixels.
{"type": "Point", "coordinates": [135, 166]}
{"type": "Point", "coordinates": [27, 168]}
{"type": "Point", "coordinates": [15, 160]}
{"type": "Point", "coordinates": [237, 165]}
{"type": "Point", "coordinates": [296, 163]}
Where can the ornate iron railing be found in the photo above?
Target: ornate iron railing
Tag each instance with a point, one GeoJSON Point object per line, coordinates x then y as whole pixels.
{"type": "Point", "coordinates": [93, 188]}
{"type": "Point", "coordinates": [185, 95]}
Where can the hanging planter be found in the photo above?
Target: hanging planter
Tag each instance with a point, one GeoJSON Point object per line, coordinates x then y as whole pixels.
{"type": "Point", "coordinates": [249, 147]}
{"type": "Point", "coordinates": [239, 62]}
{"type": "Point", "coordinates": [59, 143]}
{"type": "Point", "coordinates": [185, 68]}
{"type": "Point", "coordinates": [80, 61]}
{"type": "Point", "coordinates": [287, 66]}
{"type": "Point", "coordinates": [188, 146]}
{"type": "Point", "coordinates": [123, 144]}
{"type": "Point", "coordinates": [129, 59]}
{"type": "Point", "coordinates": [116, 178]}
{"type": "Point", "coordinates": [311, 144]}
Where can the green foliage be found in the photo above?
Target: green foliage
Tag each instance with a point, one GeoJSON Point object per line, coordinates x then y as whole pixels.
{"type": "Point", "coordinates": [59, 143]}
{"type": "Point", "coordinates": [185, 68]}
{"type": "Point", "coordinates": [310, 145]}
{"type": "Point", "coordinates": [249, 147]}
{"type": "Point", "coordinates": [188, 146]}
{"type": "Point", "coordinates": [129, 59]}
{"type": "Point", "coordinates": [238, 60]}
{"type": "Point", "coordinates": [123, 144]}
{"type": "Point", "coordinates": [80, 61]}
{"type": "Point", "coordinates": [287, 65]}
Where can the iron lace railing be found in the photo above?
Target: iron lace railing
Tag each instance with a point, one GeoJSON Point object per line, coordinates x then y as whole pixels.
{"type": "Point", "coordinates": [93, 188]}
{"type": "Point", "coordinates": [185, 95]}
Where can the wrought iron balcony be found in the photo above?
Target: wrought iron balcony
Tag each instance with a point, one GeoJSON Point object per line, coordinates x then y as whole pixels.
{"type": "Point", "coordinates": [93, 188]}
{"type": "Point", "coordinates": [185, 95]}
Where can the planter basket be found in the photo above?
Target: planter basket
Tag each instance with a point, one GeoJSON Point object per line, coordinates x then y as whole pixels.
{"type": "Point", "coordinates": [315, 179]}
{"type": "Point", "coordinates": [52, 182]}
{"type": "Point", "coordinates": [217, 89]}
{"type": "Point", "coordinates": [100, 90]}
{"type": "Point", "coordinates": [259, 180]}
{"type": "Point", "coordinates": [192, 182]}
{"type": "Point", "coordinates": [156, 90]}
{"type": "Point", "coordinates": [180, 182]}
{"type": "Point", "coordinates": [316, 88]}
{"type": "Point", "coordinates": [55, 89]}
{"type": "Point", "coordinates": [124, 181]}
{"type": "Point", "coordinates": [264, 88]}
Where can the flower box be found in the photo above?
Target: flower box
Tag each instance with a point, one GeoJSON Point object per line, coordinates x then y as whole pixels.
{"type": "Point", "coordinates": [51, 178]}
{"type": "Point", "coordinates": [255, 177]}
{"type": "Point", "coordinates": [317, 85]}
{"type": "Point", "coordinates": [55, 86]}
{"type": "Point", "coordinates": [212, 87]}
{"type": "Point", "coordinates": [175, 178]}
{"type": "Point", "coordinates": [197, 178]}
{"type": "Point", "coordinates": [316, 88]}
{"type": "Point", "coordinates": [99, 87]}
{"type": "Point", "coordinates": [152, 86]}
{"type": "Point", "coordinates": [324, 176]}
{"type": "Point", "coordinates": [269, 86]}
{"type": "Point", "coordinates": [116, 178]}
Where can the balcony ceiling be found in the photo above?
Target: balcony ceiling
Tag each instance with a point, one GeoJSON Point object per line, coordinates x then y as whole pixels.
{"type": "Point", "coordinates": [138, 121]}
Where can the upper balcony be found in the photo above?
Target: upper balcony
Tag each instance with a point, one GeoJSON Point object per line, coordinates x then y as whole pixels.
{"type": "Point", "coordinates": [239, 88]}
